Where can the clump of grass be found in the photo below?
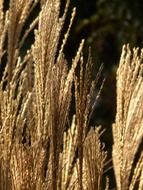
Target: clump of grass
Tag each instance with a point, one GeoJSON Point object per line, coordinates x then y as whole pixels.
{"type": "Point", "coordinates": [95, 159]}
{"type": "Point", "coordinates": [128, 128]}
{"type": "Point", "coordinates": [37, 149]}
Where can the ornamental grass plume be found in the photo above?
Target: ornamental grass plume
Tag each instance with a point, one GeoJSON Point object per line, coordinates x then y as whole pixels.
{"type": "Point", "coordinates": [128, 128]}
{"type": "Point", "coordinates": [40, 148]}
{"type": "Point", "coordinates": [36, 150]}
{"type": "Point", "coordinates": [95, 159]}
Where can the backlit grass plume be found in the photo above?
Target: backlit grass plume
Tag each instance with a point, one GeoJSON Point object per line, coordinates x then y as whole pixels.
{"type": "Point", "coordinates": [40, 147]}
{"type": "Point", "coordinates": [128, 128]}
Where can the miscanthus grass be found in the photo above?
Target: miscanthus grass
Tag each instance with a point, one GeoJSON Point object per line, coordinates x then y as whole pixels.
{"type": "Point", "coordinates": [39, 147]}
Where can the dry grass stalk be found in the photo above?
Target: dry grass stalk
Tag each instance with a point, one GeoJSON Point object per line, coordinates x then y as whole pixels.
{"type": "Point", "coordinates": [68, 159]}
{"type": "Point", "coordinates": [18, 13]}
{"type": "Point", "coordinates": [95, 159]}
{"type": "Point", "coordinates": [128, 129]}
{"type": "Point", "coordinates": [84, 93]}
